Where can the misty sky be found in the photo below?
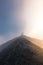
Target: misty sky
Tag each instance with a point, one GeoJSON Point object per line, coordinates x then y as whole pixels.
{"type": "Point", "coordinates": [17, 16]}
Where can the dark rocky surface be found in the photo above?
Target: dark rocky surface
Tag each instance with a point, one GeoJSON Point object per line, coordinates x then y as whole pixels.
{"type": "Point", "coordinates": [20, 51]}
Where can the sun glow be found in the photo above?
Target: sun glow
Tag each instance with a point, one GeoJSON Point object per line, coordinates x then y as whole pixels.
{"type": "Point", "coordinates": [33, 10]}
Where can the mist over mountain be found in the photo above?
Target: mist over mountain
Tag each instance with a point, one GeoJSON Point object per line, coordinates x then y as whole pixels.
{"type": "Point", "coordinates": [21, 51]}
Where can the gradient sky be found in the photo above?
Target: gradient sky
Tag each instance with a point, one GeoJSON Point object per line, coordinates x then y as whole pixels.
{"type": "Point", "coordinates": [8, 16]}
{"type": "Point", "coordinates": [10, 19]}
{"type": "Point", "coordinates": [17, 16]}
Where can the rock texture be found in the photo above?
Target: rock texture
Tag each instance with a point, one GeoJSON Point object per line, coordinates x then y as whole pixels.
{"type": "Point", "coordinates": [20, 51]}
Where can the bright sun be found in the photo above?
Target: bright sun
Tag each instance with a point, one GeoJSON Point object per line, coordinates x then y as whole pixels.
{"type": "Point", "coordinates": [33, 10]}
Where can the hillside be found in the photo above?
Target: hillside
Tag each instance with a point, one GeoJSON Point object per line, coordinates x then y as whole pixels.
{"type": "Point", "coordinates": [21, 51]}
